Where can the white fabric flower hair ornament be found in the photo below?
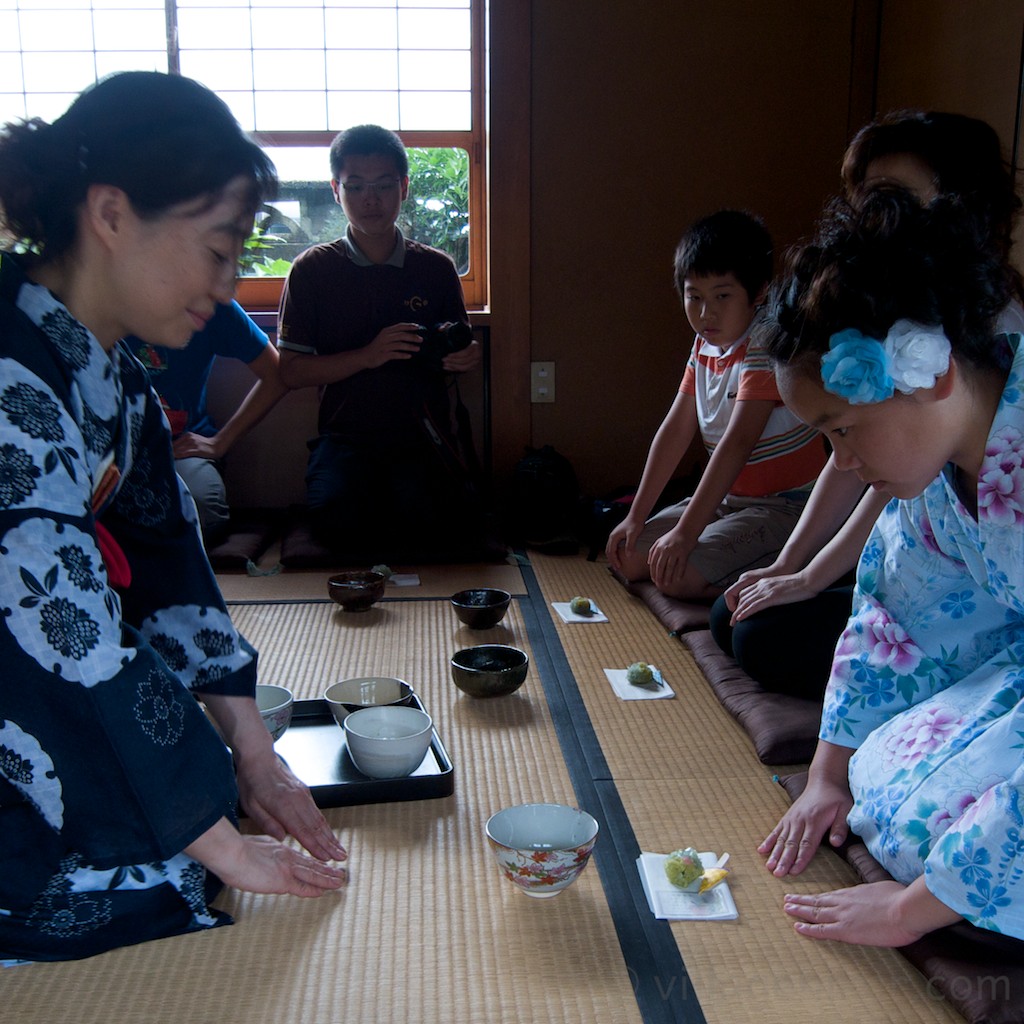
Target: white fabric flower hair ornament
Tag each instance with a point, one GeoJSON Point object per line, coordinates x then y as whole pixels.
{"type": "Point", "coordinates": [864, 370]}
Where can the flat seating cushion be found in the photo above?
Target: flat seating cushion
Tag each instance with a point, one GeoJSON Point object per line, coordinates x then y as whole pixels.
{"type": "Point", "coordinates": [980, 973]}
{"type": "Point", "coordinates": [783, 729]}
{"type": "Point", "coordinates": [676, 616]}
{"type": "Point", "coordinates": [250, 533]}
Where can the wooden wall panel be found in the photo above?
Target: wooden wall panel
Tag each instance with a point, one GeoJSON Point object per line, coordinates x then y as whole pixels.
{"type": "Point", "coordinates": [958, 55]}
{"type": "Point", "coordinates": [625, 122]}
{"type": "Point", "coordinates": [645, 117]}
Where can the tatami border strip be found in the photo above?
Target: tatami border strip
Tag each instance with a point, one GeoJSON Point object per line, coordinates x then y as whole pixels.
{"type": "Point", "coordinates": [662, 987]}
{"type": "Point", "coordinates": [326, 600]}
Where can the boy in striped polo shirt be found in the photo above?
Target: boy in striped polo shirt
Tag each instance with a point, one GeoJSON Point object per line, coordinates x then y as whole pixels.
{"type": "Point", "coordinates": [763, 461]}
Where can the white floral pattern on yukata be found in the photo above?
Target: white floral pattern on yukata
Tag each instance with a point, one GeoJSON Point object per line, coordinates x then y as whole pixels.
{"type": "Point", "coordinates": [199, 645]}
{"type": "Point", "coordinates": [28, 767]}
{"type": "Point", "coordinates": [97, 719]}
{"type": "Point", "coordinates": [928, 684]}
{"type": "Point", "coordinates": [61, 611]}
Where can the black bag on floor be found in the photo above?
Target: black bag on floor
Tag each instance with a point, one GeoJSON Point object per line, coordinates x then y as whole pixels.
{"type": "Point", "coordinates": [601, 516]}
{"type": "Point", "coordinates": [544, 502]}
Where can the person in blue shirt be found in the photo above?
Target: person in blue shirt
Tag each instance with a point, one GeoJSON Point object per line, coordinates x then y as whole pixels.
{"type": "Point", "coordinates": [180, 377]}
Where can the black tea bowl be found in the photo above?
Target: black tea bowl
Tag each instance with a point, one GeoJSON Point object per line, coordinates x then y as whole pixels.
{"type": "Point", "coordinates": [481, 607]}
{"type": "Point", "coordinates": [490, 670]}
{"type": "Point", "coordinates": [357, 590]}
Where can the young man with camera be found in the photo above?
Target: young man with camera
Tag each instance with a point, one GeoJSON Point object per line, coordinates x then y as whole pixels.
{"type": "Point", "coordinates": [378, 323]}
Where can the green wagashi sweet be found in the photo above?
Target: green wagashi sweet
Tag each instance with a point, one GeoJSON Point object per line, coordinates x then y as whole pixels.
{"type": "Point", "coordinates": [384, 570]}
{"type": "Point", "coordinates": [640, 674]}
{"type": "Point", "coordinates": [581, 606]}
{"type": "Point", "coordinates": [683, 867]}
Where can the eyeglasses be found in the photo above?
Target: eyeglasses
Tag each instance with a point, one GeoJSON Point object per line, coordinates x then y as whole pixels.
{"type": "Point", "coordinates": [380, 188]}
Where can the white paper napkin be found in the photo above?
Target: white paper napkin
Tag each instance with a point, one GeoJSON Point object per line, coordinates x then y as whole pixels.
{"type": "Point", "coordinates": [670, 903]}
{"type": "Point", "coordinates": [562, 607]}
{"type": "Point", "coordinates": [627, 691]}
{"type": "Point", "coordinates": [404, 579]}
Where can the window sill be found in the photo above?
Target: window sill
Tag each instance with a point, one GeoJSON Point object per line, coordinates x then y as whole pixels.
{"type": "Point", "coordinates": [263, 295]}
{"type": "Point", "coordinates": [259, 294]}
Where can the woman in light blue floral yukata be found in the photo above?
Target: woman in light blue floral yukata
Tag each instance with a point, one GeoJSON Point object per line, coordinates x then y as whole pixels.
{"type": "Point", "coordinates": [882, 335]}
{"type": "Point", "coordinates": [117, 796]}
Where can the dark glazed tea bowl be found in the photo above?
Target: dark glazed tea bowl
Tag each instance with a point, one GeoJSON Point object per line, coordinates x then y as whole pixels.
{"type": "Point", "coordinates": [481, 607]}
{"type": "Point", "coordinates": [357, 590]}
{"type": "Point", "coordinates": [490, 670]}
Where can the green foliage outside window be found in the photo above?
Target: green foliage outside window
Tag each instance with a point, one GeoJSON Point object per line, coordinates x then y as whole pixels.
{"type": "Point", "coordinates": [258, 259]}
{"type": "Point", "coordinates": [436, 213]}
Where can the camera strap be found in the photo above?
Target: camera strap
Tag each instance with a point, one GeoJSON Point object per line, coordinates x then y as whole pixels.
{"type": "Point", "coordinates": [455, 452]}
{"type": "Point", "coordinates": [464, 434]}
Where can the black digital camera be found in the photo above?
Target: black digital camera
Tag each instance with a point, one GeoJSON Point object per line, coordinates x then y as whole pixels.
{"type": "Point", "coordinates": [442, 340]}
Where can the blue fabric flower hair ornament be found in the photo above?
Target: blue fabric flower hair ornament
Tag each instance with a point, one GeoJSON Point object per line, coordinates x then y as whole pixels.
{"type": "Point", "coordinates": [864, 370]}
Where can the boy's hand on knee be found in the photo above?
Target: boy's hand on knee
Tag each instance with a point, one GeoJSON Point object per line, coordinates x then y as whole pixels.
{"type": "Point", "coordinates": [621, 543]}
{"type": "Point", "coordinates": [668, 559]}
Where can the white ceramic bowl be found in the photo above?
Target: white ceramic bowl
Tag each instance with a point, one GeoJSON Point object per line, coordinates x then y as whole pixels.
{"type": "Point", "coordinates": [542, 848]}
{"type": "Point", "coordinates": [275, 704]}
{"type": "Point", "coordinates": [388, 742]}
{"type": "Point", "coordinates": [350, 695]}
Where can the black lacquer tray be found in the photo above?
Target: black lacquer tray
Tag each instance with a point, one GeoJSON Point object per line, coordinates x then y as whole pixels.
{"type": "Point", "coordinates": [314, 748]}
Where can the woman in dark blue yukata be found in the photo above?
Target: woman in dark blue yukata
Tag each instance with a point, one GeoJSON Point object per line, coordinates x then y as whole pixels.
{"type": "Point", "coordinates": [117, 795]}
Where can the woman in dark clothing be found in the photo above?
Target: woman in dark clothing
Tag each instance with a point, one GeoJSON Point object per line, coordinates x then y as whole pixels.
{"type": "Point", "coordinates": [117, 795]}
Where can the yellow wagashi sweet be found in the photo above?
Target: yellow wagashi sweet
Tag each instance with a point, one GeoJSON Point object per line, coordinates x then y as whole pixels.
{"type": "Point", "coordinates": [711, 877]}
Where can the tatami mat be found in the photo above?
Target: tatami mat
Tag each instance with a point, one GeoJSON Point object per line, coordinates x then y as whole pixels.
{"type": "Point", "coordinates": [686, 775]}
{"type": "Point", "coordinates": [311, 584]}
{"type": "Point", "coordinates": [427, 930]}
{"type": "Point", "coordinates": [757, 968]}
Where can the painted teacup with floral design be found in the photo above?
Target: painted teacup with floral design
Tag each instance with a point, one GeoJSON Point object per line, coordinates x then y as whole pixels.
{"type": "Point", "coordinates": [541, 848]}
{"type": "Point", "coordinates": [275, 704]}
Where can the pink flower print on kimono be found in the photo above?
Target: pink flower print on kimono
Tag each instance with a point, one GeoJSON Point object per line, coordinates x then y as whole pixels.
{"type": "Point", "coordinates": [1001, 480]}
{"type": "Point", "coordinates": [943, 815]}
{"type": "Point", "coordinates": [919, 733]}
{"type": "Point", "coordinates": [888, 644]}
{"type": "Point", "coordinates": [877, 671]}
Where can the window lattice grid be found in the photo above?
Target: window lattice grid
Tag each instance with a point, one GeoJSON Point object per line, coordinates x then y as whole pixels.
{"type": "Point", "coordinates": [299, 66]}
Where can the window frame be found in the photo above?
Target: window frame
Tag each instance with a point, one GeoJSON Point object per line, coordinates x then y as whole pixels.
{"type": "Point", "coordinates": [261, 293]}
{"type": "Point", "coordinates": [264, 293]}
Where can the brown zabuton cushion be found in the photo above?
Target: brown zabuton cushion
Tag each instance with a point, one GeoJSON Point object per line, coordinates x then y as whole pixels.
{"type": "Point", "coordinates": [980, 972]}
{"type": "Point", "coordinates": [676, 616]}
{"type": "Point", "coordinates": [784, 729]}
